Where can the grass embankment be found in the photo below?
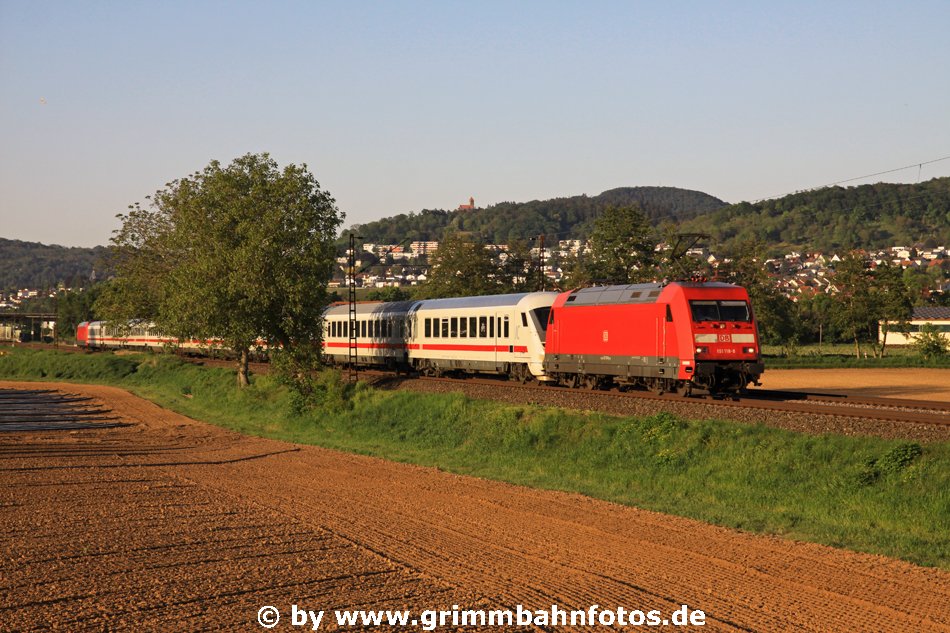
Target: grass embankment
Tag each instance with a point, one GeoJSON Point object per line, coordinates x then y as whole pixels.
{"type": "Point", "coordinates": [865, 494]}
{"type": "Point", "coordinates": [839, 356]}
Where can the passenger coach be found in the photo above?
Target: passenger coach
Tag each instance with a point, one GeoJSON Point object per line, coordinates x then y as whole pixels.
{"type": "Point", "coordinates": [381, 330]}
{"type": "Point", "coordinates": [500, 334]}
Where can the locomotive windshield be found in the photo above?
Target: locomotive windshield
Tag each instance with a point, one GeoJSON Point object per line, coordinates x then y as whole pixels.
{"type": "Point", "coordinates": [720, 311]}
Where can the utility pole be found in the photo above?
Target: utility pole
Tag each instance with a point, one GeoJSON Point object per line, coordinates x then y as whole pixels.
{"type": "Point", "coordinates": [352, 325]}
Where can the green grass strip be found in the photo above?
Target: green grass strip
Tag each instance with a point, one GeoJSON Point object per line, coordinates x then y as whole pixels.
{"type": "Point", "coordinates": [865, 494]}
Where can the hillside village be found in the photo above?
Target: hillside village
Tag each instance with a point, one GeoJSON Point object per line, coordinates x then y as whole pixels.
{"type": "Point", "coordinates": [390, 265]}
{"type": "Point", "coordinates": [796, 273]}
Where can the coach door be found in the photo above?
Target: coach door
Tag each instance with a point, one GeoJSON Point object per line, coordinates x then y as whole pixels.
{"type": "Point", "coordinates": [499, 330]}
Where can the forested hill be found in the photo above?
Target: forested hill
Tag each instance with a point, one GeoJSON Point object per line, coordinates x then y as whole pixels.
{"type": "Point", "coordinates": [34, 265]}
{"type": "Point", "coordinates": [559, 218]}
{"type": "Point", "coordinates": [836, 218]}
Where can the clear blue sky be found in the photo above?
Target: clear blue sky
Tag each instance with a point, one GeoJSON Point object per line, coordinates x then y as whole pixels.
{"type": "Point", "coordinates": [400, 106]}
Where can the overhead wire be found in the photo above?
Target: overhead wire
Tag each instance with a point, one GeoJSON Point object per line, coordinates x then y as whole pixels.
{"type": "Point", "coordinates": [811, 212]}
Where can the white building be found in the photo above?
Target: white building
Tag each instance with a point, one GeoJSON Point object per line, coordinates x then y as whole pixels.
{"type": "Point", "coordinates": [938, 317]}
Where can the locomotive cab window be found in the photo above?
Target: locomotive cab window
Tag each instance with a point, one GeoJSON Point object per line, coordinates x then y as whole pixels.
{"type": "Point", "coordinates": [734, 311]}
{"type": "Point", "coordinates": [720, 311]}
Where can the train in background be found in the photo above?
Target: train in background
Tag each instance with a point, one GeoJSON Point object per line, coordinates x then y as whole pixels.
{"type": "Point", "coordinates": [146, 336]}
{"type": "Point", "coordinates": [682, 337]}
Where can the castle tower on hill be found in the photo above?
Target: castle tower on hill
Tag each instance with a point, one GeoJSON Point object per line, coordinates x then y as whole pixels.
{"type": "Point", "coordinates": [469, 206]}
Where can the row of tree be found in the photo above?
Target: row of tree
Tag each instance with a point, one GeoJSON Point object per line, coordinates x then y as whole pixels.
{"type": "Point", "coordinates": [623, 250]}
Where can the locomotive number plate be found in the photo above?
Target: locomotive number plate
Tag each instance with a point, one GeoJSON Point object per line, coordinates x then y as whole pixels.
{"type": "Point", "coordinates": [725, 338]}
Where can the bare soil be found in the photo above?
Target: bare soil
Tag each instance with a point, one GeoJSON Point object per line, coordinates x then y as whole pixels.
{"type": "Point", "coordinates": [909, 383]}
{"type": "Point", "coordinates": [173, 524]}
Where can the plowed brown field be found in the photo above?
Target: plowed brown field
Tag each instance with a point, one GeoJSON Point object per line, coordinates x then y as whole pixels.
{"type": "Point", "coordinates": [912, 383]}
{"type": "Point", "coordinates": [173, 524]}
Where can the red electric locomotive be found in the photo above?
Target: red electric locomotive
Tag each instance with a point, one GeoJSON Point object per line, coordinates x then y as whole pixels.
{"type": "Point", "coordinates": [678, 337]}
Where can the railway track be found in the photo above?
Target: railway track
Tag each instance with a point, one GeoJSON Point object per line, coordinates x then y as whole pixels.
{"type": "Point", "coordinates": [865, 408]}
{"type": "Point", "coordinates": [897, 410]}
{"type": "Point", "coordinates": [839, 405]}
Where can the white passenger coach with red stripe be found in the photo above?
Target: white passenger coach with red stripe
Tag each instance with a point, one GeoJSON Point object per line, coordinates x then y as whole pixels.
{"type": "Point", "coordinates": [501, 334]}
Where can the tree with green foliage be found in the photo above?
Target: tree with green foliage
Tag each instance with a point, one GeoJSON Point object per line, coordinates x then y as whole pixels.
{"type": "Point", "coordinates": [855, 313]}
{"type": "Point", "coordinates": [891, 300]}
{"type": "Point", "coordinates": [463, 267]}
{"type": "Point", "coordinates": [622, 247]}
{"type": "Point", "coordinates": [240, 253]}
{"type": "Point", "coordinates": [815, 319]}
{"type": "Point", "coordinates": [774, 312]}
{"type": "Point", "coordinates": [930, 343]}
{"type": "Point", "coordinates": [74, 307]}
{"type": "Point", "coordinates": [518, 271]}
{"type": "Point", "coordinates": [389, 294]}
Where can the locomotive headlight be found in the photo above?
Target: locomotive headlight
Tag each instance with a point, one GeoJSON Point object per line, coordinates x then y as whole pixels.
{"type": "Point", "coordinates": [702, 350]}
{"type": "Point", "coordinates": [748, 350]}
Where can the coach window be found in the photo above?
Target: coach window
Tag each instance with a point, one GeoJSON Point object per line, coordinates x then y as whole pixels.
{"type": "Point", "coordinates": [483, 327]}
{"type": "Point", "coordinates": [428, 328]}
{"type": "Point", "coordinates": [463, 327]}
{"type": "Point", "coordinates": [455, 327]}
{"type": "Point", "coordinates": [363, 329]}
{"type": "Point", "coordinates": [506, 326]}
{"type": "Point", "coordinates": [491, 327]}
{"type": "Point", "coordinates": [445, 328]}
{"type": "Point", "coordinates": [524, 320]}
{"type": "Point", "coordinates": [473, 326]}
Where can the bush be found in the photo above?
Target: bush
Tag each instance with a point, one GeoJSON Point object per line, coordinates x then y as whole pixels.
{"type": "Point", "coordinates": [930, 343]}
